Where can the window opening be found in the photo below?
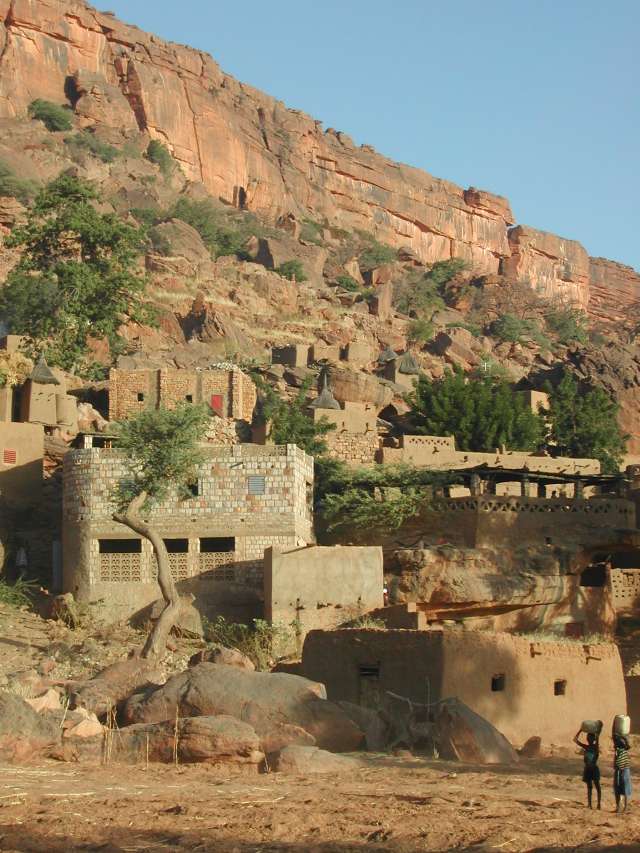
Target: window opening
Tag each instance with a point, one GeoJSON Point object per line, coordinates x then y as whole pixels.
{"type": "Point", "coordinates": [559, 687]}
{"type": "Point", "coordinates": [140, 397]}
{"type": "Point", "coordinates": [498, 682]}
{"type": "Point", "coordinates": [594, 575]}
{"type": "Point", "coordinates": [177, 546]}
{"type": "Point", "coordinates": [194, 488]}
{"type": "Point", "coordinates": [217, 544]}
{"type": "Point", "coordinates": [256, 485]}
{"type": "Point", "coordinates": [369, 670]}
{"type": "Point", "coordinates": [120, 546]}
{"type": "Point", "coordinates": [189, 398]}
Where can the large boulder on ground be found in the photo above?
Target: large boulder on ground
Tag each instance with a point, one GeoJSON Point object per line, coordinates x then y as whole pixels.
{"type": "Point", "coordinates": [222, 655]}
{"type": "Point", "coordinates": [376, 730]}
{"type": "Point", "coordinates": [462, 735]}
{"type": "Point", "coordinates": [265, 700]}
{"type": "Point", "coordinates": [116, 683]}
{"type": "Point", "coordinates": [25, 734]}
{"type": "Point", "coordinates": [310, 759]}
{"type": "Point", "coordinates": [213, 740]}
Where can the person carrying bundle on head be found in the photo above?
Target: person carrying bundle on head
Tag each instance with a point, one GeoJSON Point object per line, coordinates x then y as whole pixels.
{"type": "Point", "coordinates": [591, 754]}
{"type": "Point", "coordinates": [621, 761]}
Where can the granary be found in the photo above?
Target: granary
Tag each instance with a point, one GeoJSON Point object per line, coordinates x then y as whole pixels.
{"type": "Point", "coordinates": [526, 686]}
{"type": "Point", "coordinates": [247, 498]}
{"type": "Point", "coordinates": [403, 370]}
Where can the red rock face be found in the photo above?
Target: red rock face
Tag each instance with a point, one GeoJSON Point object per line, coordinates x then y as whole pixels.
{"type": "Point", "coordinates": [250, 149]}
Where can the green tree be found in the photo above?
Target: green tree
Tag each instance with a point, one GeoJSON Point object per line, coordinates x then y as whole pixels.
{"type": "Point", "coordinates": [375, 254]}
{"type": "Point", "coordinates": [163, 451]}
{"type": "Point", "coordinates": [568, 325]}
{"type": "Point", "coordinates": [77, 277]}
{"type": "Point", "coordinates": [420, 295]}
{"type": "Point", "coordinates": [293, 270]}
{"type": "Point", "coordinates": [481, 414]}
{"type": "Point", "coordinates": [584, 424]}
{"type": "Point", "coordinates": [218, 235]}
{"type": "Point", "coordinates": [289, 419]}
{"type": "Point", "coordinates": [378, 499]}
{"type": "Point", "coordinates": [10, 185]}
{"type": "Point", "coordinates": [53, 116]}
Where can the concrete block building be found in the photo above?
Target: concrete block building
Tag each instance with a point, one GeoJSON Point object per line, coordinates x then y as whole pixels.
{"type": "Point", "coordinates": [247, 498]}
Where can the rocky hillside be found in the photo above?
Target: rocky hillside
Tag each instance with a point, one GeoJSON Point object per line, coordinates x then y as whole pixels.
{"type": "Point", "coordinates": [250, 150]}
{"type": "Point", "coordinates": [277, 189]}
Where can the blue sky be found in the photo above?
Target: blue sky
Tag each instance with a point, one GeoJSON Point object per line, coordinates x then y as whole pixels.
{"type": "Point", "coordinates": [538, 101]}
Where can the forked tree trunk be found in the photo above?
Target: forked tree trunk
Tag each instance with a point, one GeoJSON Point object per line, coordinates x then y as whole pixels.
{"type": "Point", "coordinates": [157, 640]}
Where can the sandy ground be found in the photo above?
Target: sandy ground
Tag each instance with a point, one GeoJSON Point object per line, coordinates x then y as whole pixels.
{"type": "Point", "coordinates": [387, 805]}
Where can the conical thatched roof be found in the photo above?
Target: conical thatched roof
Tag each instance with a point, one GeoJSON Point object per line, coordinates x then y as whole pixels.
{"type": "Point", "coordinates": [408, 364]}
{"type": "Point", "coordinates": [42, 374]}
{"type": "Point", "coordinates": [387, 355]}
{"type": "Point", "coordinates": [325, 399]}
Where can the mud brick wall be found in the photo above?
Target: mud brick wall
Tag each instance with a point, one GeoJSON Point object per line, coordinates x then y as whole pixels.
{"type": "Point", "coordinates": [353, 448]}
{"type": "Point", "coordinates": [547, 686]}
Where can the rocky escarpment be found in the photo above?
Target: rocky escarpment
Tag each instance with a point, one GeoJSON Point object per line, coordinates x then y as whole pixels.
{"type": "Point", "coordinates": [252, 151]}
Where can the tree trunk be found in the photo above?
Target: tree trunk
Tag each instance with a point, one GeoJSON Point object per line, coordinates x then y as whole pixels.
{"type": "Point", "coordinates": [157, 640]}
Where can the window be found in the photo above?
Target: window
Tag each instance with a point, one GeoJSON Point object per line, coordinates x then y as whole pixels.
{"type": "Point", "coordinates": [177, 546]}
{"type": "Point", "coordinates": [194, 488]}
{"type": "Point", "coordinates": [559, 687]}
{"type": "Point", "coordinates": [498, 682]}
{"type": "Point", "coordinates": [189, 398]}
{"type": "Point", "coordinates": [217, 544]}
{"type": "Point", "coordinates": [594, 575]}
{"type": "Point", "coordinates": [140, 397]}
{"type": "Point", "coordinates": [9, 457]}
{"type": "Point", "coordinates": [369, 670]}
{"type": "Point", "coordinates": [256, 485]}
{"type": "Point", "coordinates": [120, 546]}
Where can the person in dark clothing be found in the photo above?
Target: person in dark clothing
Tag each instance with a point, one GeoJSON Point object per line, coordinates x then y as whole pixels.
{"type": "Point", "coordinates": [621, 772]}
{"type": "Point", "coordinates": [591, 772]}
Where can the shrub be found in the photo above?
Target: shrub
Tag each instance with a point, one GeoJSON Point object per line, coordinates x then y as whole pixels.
{"type": "Point", "coordinates": [217, 235]}
{"type": "Point", "coordinates": [10, 185]}
{"type": "Point", "coordinates": [53, 116]}
{"type": "Point", "coordinates": [159, 242]}
{"type": "Point", "coordinates": [312, 232]}
{"type": "Point", "coordinates": [375, 254]}
{"type": "Point", "coordinates": [159, 154]}
{"type": "Point", "coordinates": [568, 325]}
{"type": "Point", "coordinates": [420, 331]}
{"type": "Point", "coordinates": [88, 143]}
{"type": "Point", "coordinates": [261, 642]}
{"type": "Point", "coordinates": [473, 328]}
{"type": "Point", "coordinates": [293, 270]}
{"type": "Point", "coordinates": [148, 216]}
{"type": "Point", "coordinates": [17, 594]}
{"type": "Point", "coordinates": [347, 282]}
{"type": "Point", "coordinates": [509, 328]}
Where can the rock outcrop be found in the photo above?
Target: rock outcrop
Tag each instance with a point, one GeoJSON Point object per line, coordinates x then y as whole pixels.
{"type": "Point", "coordinates": [250, 150]}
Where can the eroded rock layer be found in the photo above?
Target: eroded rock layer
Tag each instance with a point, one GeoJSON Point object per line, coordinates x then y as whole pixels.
{"type": "Point", "coordinates": [250, 150]}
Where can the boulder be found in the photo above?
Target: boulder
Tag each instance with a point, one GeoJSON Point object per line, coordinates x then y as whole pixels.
{"type": "Point", "coordinates": [381, 304]}
{"type": "Point", "coordinates": [87, 728]}
{"type": "Point", "coordinates": [189, 621]}
{"type": "Point", "coordinates": [310, 759]}
{"type": "Point", "coordinates": [181, 250]}
{"type": "Point", "coordinates": [351, 386]}
{"type": "Point", "coordinates": [116, 683]}
{"type": "Point", "coordinates": [455, 345]}
{"type": "Point", "coordinates": [212, 740]}
{"type": "Point", "coordinates": [462, 735]}
{"type": "Point", "coordinates": [49, 701]}
{"type": "Point", "coordinates": [284, 734]}
{"type": "Point", "coordinates": [532, 748]}
{"type": "Point", "coordinates": [376, 730]}
{"type": "Point", "coordinates": [222, 655]}
{"type": "Point", "coordinates": [262, 699]}
{"type": "Point", "coordinates": [25, 734]}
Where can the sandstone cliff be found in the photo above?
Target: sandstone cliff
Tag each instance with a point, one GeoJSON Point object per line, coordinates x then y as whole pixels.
{"type": "Point", "coordinates": [250, 150]}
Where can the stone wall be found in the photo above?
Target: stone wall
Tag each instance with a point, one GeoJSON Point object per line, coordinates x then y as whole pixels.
{"type": "Point", "coordinates": [523, 685]}
{"type": "Point", "coordinates": [229, 392]}
{"type": "Point", "coordinates": [321, 587]}
{"type": "Point", "coordinates": [355, 437]}
{"type": "Point", "coordinates": [248, 499]}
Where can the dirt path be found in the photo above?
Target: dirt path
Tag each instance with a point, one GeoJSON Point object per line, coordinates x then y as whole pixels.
{"type": "Point", "coordinates": [388, 805]}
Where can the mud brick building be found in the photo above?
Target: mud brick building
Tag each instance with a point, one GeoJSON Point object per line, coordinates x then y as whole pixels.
{"type": "Point", "coordinates": [247, 498]}
{"type": "Point", "coordinates": [230, 394]}
{"type": "Point", "coordinates": [525, 686]}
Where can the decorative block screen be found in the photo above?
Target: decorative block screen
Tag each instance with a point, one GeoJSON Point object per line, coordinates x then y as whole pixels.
{"type": "Point", "coordinates": [9, 457]}
{"type": "Point", "coordinates": [256, 485]}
